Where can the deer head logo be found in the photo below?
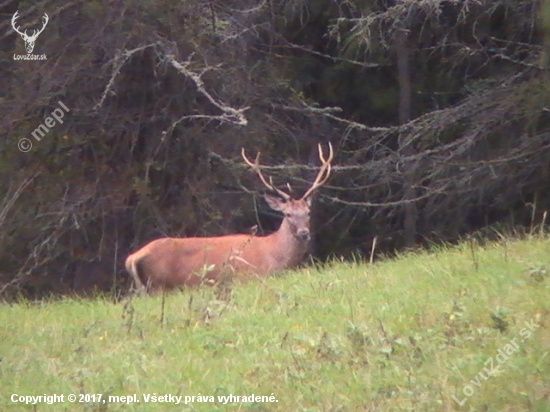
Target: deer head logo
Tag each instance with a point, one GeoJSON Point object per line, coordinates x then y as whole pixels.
{"type": "Point", "coordinates": [29, 40]}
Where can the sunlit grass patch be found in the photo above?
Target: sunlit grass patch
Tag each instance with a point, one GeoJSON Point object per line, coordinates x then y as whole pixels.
{"type": "Point", "coordinates": [402, 334]}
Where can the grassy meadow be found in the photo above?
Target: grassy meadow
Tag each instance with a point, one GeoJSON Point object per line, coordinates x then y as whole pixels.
{"type": "Point", "coordinates": [441, 330]}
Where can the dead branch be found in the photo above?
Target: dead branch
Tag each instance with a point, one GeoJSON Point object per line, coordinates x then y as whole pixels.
{"type": "Point", "coordinates": [230, 115]}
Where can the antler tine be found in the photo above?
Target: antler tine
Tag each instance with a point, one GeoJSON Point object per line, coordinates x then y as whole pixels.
{"type": "Point", "coordinates": [324, 172]}
{"type": "Point", "coordinates": [13, 22]}
{"type": "Point", "coordinates": [46, 20]}
{"type": "Point", "coordinates": [36, 32]}
{"type": "Point", "coordinates": [256, 168]}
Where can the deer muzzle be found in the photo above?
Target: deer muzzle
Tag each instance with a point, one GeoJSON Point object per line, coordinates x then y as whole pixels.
{"type": "Point", "coordinates": [303, 234]}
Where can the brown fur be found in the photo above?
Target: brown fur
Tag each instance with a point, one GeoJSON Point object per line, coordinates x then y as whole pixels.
{"type": "Point", "coordinates": [173, 262]}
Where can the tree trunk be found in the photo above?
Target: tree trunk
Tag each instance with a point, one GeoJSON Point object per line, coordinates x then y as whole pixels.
{"type": "Point", "coordinates": [404, 77]}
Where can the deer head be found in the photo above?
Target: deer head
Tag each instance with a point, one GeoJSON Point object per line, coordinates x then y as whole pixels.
{"type": "Point", "coordinates": [29, 40]}
{"type": "Point", "coordinates": [296, 211]}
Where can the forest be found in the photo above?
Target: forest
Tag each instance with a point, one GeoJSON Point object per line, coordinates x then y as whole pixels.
{"type": "Point", "coordinates": [125, 122]}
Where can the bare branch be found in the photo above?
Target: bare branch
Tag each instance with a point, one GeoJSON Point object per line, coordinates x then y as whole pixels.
{"type": "Point", "coordinates": [9, 202]}
{"type": "Point", "coordinates": [119, 60]}
{"type": "Point", "coordinates": [230, 115]}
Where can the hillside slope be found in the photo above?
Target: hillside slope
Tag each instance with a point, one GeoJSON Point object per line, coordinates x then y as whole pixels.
{"type": "Point", "coordinates": [416, 333]}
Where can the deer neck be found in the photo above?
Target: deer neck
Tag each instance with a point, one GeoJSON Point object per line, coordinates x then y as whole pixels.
{"type": "Point", "coordinates": [287, 250]}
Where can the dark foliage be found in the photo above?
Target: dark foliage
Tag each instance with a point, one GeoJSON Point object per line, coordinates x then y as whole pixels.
{"type": "Point", "coordinates": [438, 111]}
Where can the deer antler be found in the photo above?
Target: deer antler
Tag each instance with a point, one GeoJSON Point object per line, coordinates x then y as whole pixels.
{"type": "Point", "coordinates": [325, 169]}
{"type": "Point", "coordinates": [13, 20]}
{"type": "Point", "coordinates": [35, 31]}
{"type": "Point", "coordinates": [44, 24]}
{"type": "Point", "coordinates": [256, 168]}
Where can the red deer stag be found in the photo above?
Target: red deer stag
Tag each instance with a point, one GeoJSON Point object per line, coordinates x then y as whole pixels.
{"type": "Point", "coordinates": [168, 263]}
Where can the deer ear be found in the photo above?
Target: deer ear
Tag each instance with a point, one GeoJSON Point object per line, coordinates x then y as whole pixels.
{"type": "Point", "coordinates": [274, 202]}
{"type": "Point", "coordinates": [308, 201]}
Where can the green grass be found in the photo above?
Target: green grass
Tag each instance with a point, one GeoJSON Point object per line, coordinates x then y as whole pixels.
{"type": "Point", "coordinates": [402, 335]}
